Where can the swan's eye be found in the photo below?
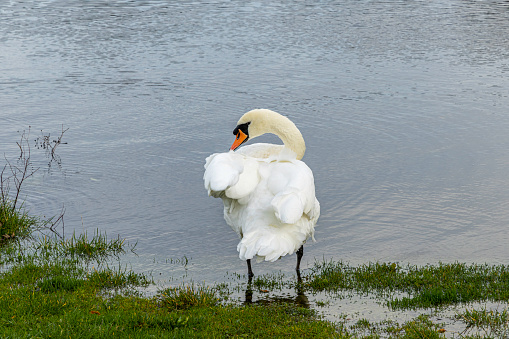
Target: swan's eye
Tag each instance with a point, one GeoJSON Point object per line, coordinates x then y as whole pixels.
{"type": "Point", "coordinates": [241, 128]}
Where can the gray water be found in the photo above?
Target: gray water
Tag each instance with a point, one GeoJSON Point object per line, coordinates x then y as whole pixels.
{"type": "Point", "coordinates": [403, 106]}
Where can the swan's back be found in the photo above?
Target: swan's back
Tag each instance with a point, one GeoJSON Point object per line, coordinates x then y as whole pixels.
{"type": "Point", "coordinates": [269, 200]}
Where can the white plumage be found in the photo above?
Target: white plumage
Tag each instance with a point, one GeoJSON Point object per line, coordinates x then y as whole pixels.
{"type": "Point", "coordinates": [267, 191]}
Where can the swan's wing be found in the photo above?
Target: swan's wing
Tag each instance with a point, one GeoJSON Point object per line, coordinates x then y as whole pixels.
{"type": "Point", "coordinates": [288, 206]}
{"type": "Point", "coordinates": [293, 186]}
{"type": "Point", "coordinates": [222, 170]}
{"type": "Point", "coordinates": [231, 173]}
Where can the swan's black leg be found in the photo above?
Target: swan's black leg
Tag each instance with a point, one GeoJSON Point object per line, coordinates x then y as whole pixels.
{"type": "Point", "coordinates": [300, 253]}
{"type": "Point", "coordinates": [250, 273]}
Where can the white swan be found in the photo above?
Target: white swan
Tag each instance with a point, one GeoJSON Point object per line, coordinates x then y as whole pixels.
{"type": "Point", "coordinates": [268, 193]}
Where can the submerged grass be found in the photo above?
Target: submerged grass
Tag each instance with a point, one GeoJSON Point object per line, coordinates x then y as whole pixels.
{"type": "Point", "coordinates": [426, 287]}
{"type": "Point", "coordinates": [419, 328]}
{"type": "Point", "coordinates": [491, 323]}
{"type": "Point", "coordinates": [83, 246]}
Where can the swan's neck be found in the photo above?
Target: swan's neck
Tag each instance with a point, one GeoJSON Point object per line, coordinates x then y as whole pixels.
{"type": "Point", "coordinates": [284, 128]}
{"type": "Point", "coordinates": [292, 138]}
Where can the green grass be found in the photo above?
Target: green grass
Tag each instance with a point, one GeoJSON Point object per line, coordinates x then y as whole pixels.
{"type": "Point", "coordinates": [187, 296]}
{"type": "Point", "coordinates": [419, 328]}
{"type": "Point", "coordinates": [491, 323]}
{"type": "Point", "coordinates": [14, 223]}
{"type": "Point", "coordinates": [61, 299]}
{"type": "Point", "coordinates": [270, 281]}
{"type": "Point", "coordinates": [428, 286]}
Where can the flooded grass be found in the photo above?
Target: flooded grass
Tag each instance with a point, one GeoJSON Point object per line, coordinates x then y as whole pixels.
{"type": "Point", "coordinates": [14, 223]}
{"type": "Point", "coordinates": [429, 286]}
{"type": "Point", "coordinates": [88, 248]}
{"type": "Point", "coordinates": [493, 323]}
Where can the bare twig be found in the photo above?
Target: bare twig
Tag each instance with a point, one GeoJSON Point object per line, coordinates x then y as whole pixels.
{"type": "Point", "coordinates": [57, 142]}
{"type": "Point", "coordinates": [18, 173]}
{"type": "Point", "coordinates": [4, 185]}
{"type": "Point", "coordinates": [49, 145]}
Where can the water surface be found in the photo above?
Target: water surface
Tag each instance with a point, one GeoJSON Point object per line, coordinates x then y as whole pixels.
{"type": "Point", "coordinates": [403, 106]}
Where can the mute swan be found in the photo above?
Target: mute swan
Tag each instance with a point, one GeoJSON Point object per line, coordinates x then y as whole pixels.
{"type": "Point", "coordinates": [267, 191]}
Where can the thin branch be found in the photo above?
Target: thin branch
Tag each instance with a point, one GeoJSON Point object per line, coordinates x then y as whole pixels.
{"type": "Point", "coordinates": [17, 174]}
{"type": "Point", "coordinates": [57, 142]}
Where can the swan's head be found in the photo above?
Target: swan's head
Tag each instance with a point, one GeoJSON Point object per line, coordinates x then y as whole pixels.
{"type": "Point", "coordinates": [241, 133]}
{"type": "Point", "coordinates": [260, 121]}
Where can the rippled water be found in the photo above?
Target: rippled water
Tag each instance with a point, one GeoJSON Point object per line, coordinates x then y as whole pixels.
{"type": "Point", "coordinates": [403, 105]}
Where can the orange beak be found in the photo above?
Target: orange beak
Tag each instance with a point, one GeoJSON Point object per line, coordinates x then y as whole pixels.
{"type": "Point", "coordinates": [239, 139]}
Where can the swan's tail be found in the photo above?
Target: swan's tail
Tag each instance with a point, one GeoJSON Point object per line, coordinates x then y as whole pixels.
{"type": "Point", "coordinates": [270, 243]}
